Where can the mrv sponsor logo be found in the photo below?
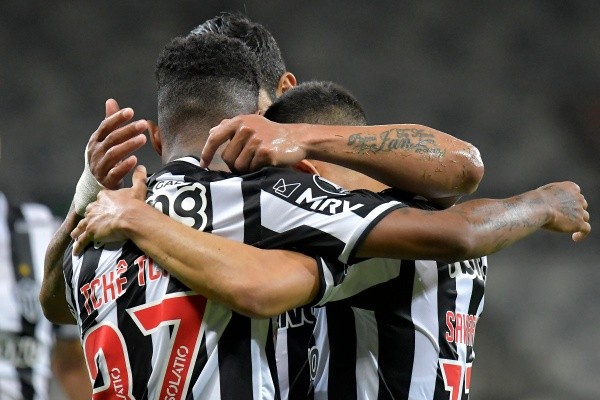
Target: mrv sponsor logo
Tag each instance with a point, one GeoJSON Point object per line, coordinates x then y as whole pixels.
{"type": "Point", "coordinates": [324, 203]}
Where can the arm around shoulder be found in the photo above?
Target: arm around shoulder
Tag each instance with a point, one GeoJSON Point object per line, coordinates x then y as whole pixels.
{"type": "Point", "coordinates": [478, 227]}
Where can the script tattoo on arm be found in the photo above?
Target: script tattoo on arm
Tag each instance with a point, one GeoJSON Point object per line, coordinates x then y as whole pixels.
{"type": "Point", "coordinates": [408, 140]}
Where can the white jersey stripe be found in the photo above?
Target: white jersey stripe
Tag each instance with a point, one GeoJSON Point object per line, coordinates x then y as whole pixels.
{"type": "Point", "coordinates": [424, 311]}
{"type": "Point", "coordinates": [227, 201]}
{"type": "Point", "coordinates": [320, 376]}
{"type": "Point", "coordinates": [278, 216]}
{"type": "Point", "coordinates": [367, 351]}
{"type": "Point", "coordinates": [282, 367]}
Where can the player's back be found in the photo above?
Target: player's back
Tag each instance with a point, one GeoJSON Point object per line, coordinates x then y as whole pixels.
{"type": "Point", "coordinates": [145, 334]}
{"type": "Point", "coordinates": [387, 329]}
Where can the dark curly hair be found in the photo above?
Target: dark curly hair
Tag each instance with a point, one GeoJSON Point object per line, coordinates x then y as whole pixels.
{"type": "Point", "coordinates": [206, 78]}
{"type": "Point", "coordinates": [257, 38]}
{"type": "Point", "coordinates": [317, 102]}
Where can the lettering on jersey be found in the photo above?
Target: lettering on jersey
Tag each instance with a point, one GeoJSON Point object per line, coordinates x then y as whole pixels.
{"type": "Point", "coordinates": [148, 270]}
{"type": "Point", "coordinates": [186, 204]}
{"type": "Point", "coordinates": [325, 204]}
{"type": "Point", "coordinates": [20, 351]}
{"type": "Point", "coordinates": [110, 286]}
{"type": "Point", "coordinates": [460, 328]}
{"type": "Point", "coordinates": [104, 288]}
{"type": "Point", "coordinates": [313, 362]}
{"type": "Point", "coordinates": [284, 189]}
{"type": "Point", "coordinates": [297, 317]}
{"type": "Point", "coordinates": [170, 182]}
{"type": "Point", "coordinates": [117, 382]}
{"type": "Point", "coordinates": [473, 269]}
{"type": "Point", "coordinates": [177, 368]}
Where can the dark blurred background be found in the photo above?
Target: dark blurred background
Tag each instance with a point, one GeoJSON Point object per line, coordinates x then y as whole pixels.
{"type": "Point", "coordinates": [519, 79]}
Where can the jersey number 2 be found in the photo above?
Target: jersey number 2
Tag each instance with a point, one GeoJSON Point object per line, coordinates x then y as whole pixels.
{"type": "Point", "coordinates": [105, 342]}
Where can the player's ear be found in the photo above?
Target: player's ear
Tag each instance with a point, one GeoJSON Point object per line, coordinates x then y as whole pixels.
{"type": "Point", "coordinates": [155, 138]}
{"type": "Point", "coordinates": [307, 167]}
{"type": "Point", "coordinates": [286, 82]}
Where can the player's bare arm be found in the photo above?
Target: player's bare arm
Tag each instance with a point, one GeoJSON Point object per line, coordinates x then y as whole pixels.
{"type": "Point", "coordinates": [468, 230]}
{"type": "Point", "coordinates": [52, 291]}
{"type": "Point", "coordinates": [415, 158]}
{"type": "Point", "coordinates": [478, 227]}
{"type": "Point", "coordinates": [254, 282]}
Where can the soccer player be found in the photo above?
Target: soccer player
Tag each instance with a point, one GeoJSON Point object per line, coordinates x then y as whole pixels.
{"type": "Point", "coordinates": [109, 158]}
{"type": "Point", "coordinates": [32, 351]}
{"type": "Point", "coordinates": [126, 305]}
{"type": "Point", "coordinates": [273, 77]}
{"type": "Point", "coordinates": [274, 207]}
{"type": "Point", "coordinates": [430, 307]}
{"type": "Point", "coordinates": [109, 154]}
{"type": "Point", "coordinates": [392, 328]}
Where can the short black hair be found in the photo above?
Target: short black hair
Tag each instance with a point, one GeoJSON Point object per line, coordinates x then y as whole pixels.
{"type": "Point", "coordinates": [317, 102]}
{"type": "Point", "coordinates": [257, 38]}
{"type": "Point", "coordinates": [205, 78]}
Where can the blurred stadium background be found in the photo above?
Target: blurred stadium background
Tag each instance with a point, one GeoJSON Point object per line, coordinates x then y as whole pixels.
{"type": "Point", "coordinates": [519, 79]}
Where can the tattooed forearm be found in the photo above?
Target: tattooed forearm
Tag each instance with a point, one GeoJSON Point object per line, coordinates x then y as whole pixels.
{"type": "Point", "coordinates": [506, 215]}
{"type": "Point", "coordinates": [406, 140]}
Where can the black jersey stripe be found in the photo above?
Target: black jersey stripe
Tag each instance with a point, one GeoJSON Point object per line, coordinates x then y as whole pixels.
{"type": "Point", "coordinates": [200, 363]}
{"type": "Point", "coordinates": [87, 273]}
{"type": "Point", "coordinates": [396, 337]}
{"type": "Point", "coordinates": [235, 359]}
{"type": "Point", "coordinates": [134, 338]}
{"type": "Point", "coordinates": [447, 294]}
{"type": "Point", "coordinates": [341, 325]}
{"type": "Point", "coordinates": [299, 324]}
{"type": "Point", "coordinates": [252, 219]}
{"type": "Point", "coordinates": [68, 274]}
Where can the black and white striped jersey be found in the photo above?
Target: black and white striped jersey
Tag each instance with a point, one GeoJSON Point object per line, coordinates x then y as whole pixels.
{"type": "Point", "coordinates": [26, 337]}
{"type": "Point", "coordinates": [147, 336]}
{"type": "Point", "coordinates": [389, 329]}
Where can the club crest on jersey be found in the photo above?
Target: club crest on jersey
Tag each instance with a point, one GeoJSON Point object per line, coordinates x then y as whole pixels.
{"type": "Point", "coordinates": [285, 189]}
{"type": "Point", "coordinates": [328, 186]}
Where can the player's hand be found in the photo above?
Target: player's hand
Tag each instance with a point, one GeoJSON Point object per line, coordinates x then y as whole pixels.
{"type": "Point", "coordinates": [102, 217]}
{"type": "Point", "coordinates": [110, 147]}
{"type": "Point", "coordinates": [254, 142]}
{"type": "Point", "coordinates": [569, 209]}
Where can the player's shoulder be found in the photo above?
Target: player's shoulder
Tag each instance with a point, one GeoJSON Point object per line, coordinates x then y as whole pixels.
{"type": "Point", "coordinates": [287, 182]}
{"type": "Point", "coordinates": [408, 199]}
{"type": "Point", "coordinates": [185, 170]}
